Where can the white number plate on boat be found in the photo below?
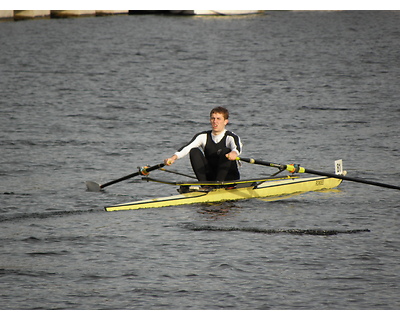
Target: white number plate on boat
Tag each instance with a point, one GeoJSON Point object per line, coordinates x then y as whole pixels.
{"type": "Point", "coordinates": [339, 167]}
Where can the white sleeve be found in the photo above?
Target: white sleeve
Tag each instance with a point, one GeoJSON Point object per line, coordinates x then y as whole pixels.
{"type": "Point", "coordinates": [198, 141]}
{"type": "Point", "coordinates": [230, 143]}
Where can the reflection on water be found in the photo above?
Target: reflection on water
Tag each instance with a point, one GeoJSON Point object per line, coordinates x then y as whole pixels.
{"type": "Point", "coordinates": [219, 210]}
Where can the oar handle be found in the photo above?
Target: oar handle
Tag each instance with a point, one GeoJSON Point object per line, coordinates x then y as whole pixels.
{"type": "Point", "coordinates": [296, 168]}
{"type": "Point", "coordinates": [142, 171]}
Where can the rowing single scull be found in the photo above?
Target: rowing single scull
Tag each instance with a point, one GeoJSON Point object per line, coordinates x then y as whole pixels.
{"type": "Point", "coordinates": [192, 193]}
{"type": "Point", "coordinates": [209, 192]}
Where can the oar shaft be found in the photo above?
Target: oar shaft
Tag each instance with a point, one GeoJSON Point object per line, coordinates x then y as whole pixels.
{"type": "Point", "coordinates": [263, 163]}
{"type": "Point", "coordinates": [139, 172]}
{"type": "Point", "coordinates": [301, 169]}
{"type": "Point", "coordinates": [379, 184]}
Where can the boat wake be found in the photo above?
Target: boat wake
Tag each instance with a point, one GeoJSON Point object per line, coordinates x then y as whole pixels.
{"type": "Point", "coordinates": [43, 215]}
{"type": "Point", "coordinates": [314, 232]}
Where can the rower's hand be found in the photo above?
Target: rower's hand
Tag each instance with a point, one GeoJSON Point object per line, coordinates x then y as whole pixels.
{"type": "Point", "coordinates": [232, 155]}
{"type": "Point", "coordinates": [170, 161]}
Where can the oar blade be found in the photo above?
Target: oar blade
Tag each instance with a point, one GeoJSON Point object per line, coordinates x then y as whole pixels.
{"type": "Point", "coordinates": [93, 186]}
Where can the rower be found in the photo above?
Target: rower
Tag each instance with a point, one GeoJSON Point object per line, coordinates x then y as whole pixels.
{"type": "Point", "coordinates": [213, 153]}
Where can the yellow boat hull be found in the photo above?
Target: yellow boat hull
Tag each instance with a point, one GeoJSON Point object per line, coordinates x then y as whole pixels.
{"type": "Point", "coordinates": [270, 188]}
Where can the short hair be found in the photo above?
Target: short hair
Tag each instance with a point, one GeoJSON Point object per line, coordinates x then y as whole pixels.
{"type": "Point", "coordinates": [221, 110]}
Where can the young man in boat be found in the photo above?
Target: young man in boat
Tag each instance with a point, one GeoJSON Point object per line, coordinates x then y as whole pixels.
{"type": "Point", "coordinates": [213, 153]}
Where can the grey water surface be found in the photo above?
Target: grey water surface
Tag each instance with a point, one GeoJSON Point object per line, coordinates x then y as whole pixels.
{"type": "Point", "coordinates": [94, 98]}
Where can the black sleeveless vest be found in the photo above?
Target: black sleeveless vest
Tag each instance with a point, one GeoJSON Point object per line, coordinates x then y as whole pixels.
{"type": "Point", "coordinates": [214, 151]}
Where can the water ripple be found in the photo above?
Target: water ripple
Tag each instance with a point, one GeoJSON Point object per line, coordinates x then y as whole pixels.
{"type": "Point", "coordinates": [314, 232]}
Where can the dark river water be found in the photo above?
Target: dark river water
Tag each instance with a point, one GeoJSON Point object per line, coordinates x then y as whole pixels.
{"type": "Point", "coordinates": [94, 98]}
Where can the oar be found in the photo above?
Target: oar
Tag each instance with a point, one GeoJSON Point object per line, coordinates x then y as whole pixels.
{"type": "Point", "coordinates": [94, 186]}
{"type": "Point", "coordinates": [178, 173]}
{"type": "Point", "coordinates": [296, 168]}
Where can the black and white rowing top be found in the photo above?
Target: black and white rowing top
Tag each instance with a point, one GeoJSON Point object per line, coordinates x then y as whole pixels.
{"type": "Point", "coordinates": [232, 142]}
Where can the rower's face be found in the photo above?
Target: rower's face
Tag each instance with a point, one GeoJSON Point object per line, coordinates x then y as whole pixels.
{"type": "Point", "coordinates": [218, 122]}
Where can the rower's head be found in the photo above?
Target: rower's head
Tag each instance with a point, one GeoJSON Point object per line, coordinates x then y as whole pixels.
{"type": "Point", "coordinates": [219, 119]}
{"type": "Point", "coordinates": [221, 110]}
